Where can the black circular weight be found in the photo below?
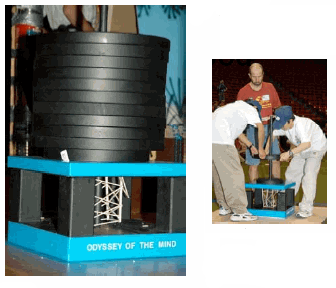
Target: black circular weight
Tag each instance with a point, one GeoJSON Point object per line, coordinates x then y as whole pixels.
{"type": "Point", "coordinates": [103, 50]}
{"type": "Point", "coordinates": [100, 85]}
{"type": "Point", "coordinates": [102, 73]}
{"type": "Point", "coordinates": [100, 97]}
{"type": "Point", "coordinates": [273, 157]}
{"type": "Point", "coordinates": [273, 181]}
{"type": "Point", "coordinates": [97, 155]}
{"type": "Point", "coordinates": [91, 143]}
{"type": "Point", "coordinates": [103, 38]}
{"type": "Point", "coordinates": [103, 121]}
{"type": "Point", "coordinates": [102, 109]}
{"type": "Point", "coordinates": [98, 132]}
{"type": "Point", "coordinates": [99, 62]}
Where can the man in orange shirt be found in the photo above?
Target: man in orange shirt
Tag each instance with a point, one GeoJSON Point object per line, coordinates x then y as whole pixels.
{"type": "Point", "coordinates": [268, 98]}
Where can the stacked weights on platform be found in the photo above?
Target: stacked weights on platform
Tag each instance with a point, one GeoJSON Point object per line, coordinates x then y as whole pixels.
{"type": "Point", "coordinates": [100, 96]}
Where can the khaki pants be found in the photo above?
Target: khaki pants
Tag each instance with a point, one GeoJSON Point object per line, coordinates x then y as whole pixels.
{"type": "Point", "coordinates": [228, 177]}
{"type": "Point", "coordinates": [304, 168]}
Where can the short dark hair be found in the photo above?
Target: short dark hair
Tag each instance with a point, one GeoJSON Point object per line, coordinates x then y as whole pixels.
{"type": "Point", "coordinates": [292, 118]}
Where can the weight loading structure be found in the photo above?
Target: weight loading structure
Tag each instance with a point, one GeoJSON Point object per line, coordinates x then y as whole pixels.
{"type": "Point", "coordinates": [113, 73]}
{"type": "Point", "coordinates": [270, 197]}
{"type": "Point", "coordinates": [102, 73]}
{"type": "Point", "coordinates": [107, 84]}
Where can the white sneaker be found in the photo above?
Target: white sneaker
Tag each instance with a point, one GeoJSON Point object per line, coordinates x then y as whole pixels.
{"type": "Point", "coordinates": [243, 217]}
{"type": "Point", "coordinates": [304, 214]}
{"type": "Point", "coordinates": [223, 211]}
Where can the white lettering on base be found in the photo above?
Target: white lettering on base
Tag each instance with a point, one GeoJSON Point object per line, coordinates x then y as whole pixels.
{"type": "Point", "coordinates": [130, 245]}
{"type": "Point", "coordinates": [104, 247]}
{"type": "Point", "coordinates": [146, 245]}
{"type": "Point", "coordinates": [167, 244]}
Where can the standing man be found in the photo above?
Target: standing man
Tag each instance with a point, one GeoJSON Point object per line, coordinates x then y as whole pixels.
{"type": "Point", "coordinates": [306, 157]}
{"type": "Point", "coordinates": [268, 98]}
{"type": "Point", "coordinates": [228, 123]}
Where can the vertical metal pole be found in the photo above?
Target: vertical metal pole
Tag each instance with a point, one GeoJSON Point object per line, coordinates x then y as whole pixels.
{"type": "Point", "coordinates": [99, 190]}
{"type": "Point", "coordinates": [28, 131]}
{"type": "Point", "coordinates": [103, 18]}
{"type": "Point", "coordinates": [270, 129]}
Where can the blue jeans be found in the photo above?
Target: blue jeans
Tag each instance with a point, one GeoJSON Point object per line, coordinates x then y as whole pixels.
{"type": "Point", "coordinates": [250, 133]}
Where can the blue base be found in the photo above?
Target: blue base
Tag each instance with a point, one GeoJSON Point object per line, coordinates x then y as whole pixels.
{"type": "Point", "coordinates": [97, 169]}
{"type": "Point", "coordinates": [105, 247]}
{"type": "Point", "coordinates": [272, 213]}
{"type": "Point", "coordinates": [268, 186]}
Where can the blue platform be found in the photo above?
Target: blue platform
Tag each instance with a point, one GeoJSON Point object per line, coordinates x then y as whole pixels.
{"type": "Point", "coordinates": [49, 266]}
{"type": "Point", "coordinates": [105, 247]}
{"type": "Point", "coordinates": [96, 247]}
{"type": "Point", "coordinates": [268, 186]}
{"type": "Point", "coordinates": [272, 213]}
{"type": "Point", "coordinates": [97, 169]}
{"type": "Point", "coordinates": [269, 212]}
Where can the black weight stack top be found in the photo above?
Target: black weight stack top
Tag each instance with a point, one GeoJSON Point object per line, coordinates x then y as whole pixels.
{"type": "Point", "coordinates": [100, 96]}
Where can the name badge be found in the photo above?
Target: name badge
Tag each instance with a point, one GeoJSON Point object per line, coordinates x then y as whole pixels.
{"type": "Point", "coordinates": [265, 98]}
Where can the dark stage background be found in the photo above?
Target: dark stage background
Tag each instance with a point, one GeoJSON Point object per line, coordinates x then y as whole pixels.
{"type": "Point", "coordinates": [301, 84]}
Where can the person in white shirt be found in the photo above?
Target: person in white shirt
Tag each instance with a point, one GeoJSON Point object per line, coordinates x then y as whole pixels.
{"type": "Point", "coordinates": [311, 145]}
{"type": "Point", "coordinates": [228, 124]}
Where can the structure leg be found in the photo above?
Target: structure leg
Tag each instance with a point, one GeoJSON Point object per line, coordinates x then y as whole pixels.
{"type": "Point", "coordinates": [126, 207]}
{"type": "Point", "coordinates": [171, 204]}
{"type": "Point", "coordinates": [25, 196]}
{"type": "Point", "coordinates": [76, 206]}
{"type": "Point", "coordinates": [258, 203]}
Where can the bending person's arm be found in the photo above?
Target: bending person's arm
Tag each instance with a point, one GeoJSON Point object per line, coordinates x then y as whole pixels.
{"type": "Point", "coordinates": [268, 144]}
{"type": "Point", "coordinates": [301, 147]}
{"type": "Point", "coordinates": [248, 143]}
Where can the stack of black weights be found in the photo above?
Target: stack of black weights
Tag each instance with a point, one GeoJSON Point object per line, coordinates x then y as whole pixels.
{"type": "Point", "coordinates": [100, 96]}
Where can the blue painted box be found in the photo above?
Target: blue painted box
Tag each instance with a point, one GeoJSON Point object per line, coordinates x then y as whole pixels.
{"type": "Point", "coordinates": [105, 247]}
{"type": "Point", "coordinates": [97, 247]}
{"type": "Point", "coordinates": [270, 212]}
